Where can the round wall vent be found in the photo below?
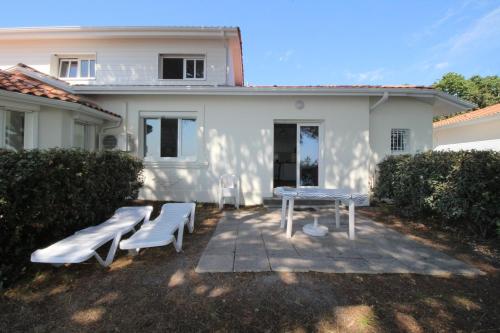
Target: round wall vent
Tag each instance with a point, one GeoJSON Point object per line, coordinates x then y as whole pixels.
{"type": "Point", "coordinates": [109, 142]}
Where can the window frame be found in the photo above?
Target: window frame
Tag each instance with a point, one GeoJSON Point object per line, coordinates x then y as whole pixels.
{"type": "Point", "coordinates": [87, 135]}
{"type": "Point", "coordinates": [179, 157]}
{"type": "Point", "coordinates": [185, 59]}
{"type": "Point", "coordinates": [78, 67]}
{"type": "Point", "coordinates": [405, 140]}
{"type": "Point", "coordinates": [28, 142]}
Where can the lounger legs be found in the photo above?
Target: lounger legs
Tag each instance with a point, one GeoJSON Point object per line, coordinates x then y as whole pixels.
{"type": "Point", "coordinates": [111, 252]}
{"type": "Point", "coordinates": [283, 212]}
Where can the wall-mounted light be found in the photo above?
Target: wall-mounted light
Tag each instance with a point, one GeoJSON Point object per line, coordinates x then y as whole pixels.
{"type": "Point", "coordinates": [299, 104]}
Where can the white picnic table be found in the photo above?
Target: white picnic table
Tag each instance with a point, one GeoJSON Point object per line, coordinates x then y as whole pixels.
{"type": "Point", "coordinates": [289, 194]}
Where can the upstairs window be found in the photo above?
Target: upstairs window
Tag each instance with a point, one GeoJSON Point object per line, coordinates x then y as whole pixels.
{"type": "Point", "coordinates": [399, 140]}
{"type": "Point", "coordinates": [182, 68]}
{"type": "Point", "coordinates": [76, 68]}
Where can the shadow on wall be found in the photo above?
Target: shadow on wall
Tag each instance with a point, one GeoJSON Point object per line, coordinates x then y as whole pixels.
{"type": "Point", "coordinates": [251, 158]}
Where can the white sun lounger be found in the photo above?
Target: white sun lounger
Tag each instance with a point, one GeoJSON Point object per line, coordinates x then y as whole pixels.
{"type": "Point", "coordinates": [160, 232]}
{"type": "Point", "coordinates": [83, 244]}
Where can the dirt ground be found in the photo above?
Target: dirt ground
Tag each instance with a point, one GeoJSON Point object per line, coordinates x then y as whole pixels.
{"type": "Point", "coordinates": [158, 290]}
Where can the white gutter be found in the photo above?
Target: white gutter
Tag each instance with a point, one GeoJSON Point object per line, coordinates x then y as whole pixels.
{"type": "Point", "coordinates": [381, 101]}
{"type": "Point", "coordinates": [38, 100]}
{"type": "Point", "coordinates": [268, 91]}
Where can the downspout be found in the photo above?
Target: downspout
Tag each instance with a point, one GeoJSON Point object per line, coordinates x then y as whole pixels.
{"type": "Point", "coordinates": [227, 59]}
{"type": "Point", "coordinates": [381, 101]}
{"type": "Point", "coordinates": [372, 167]}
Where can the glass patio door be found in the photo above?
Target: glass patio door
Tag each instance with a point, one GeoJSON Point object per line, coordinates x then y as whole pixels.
{"type": "Point", "coordinates": [308, 152]}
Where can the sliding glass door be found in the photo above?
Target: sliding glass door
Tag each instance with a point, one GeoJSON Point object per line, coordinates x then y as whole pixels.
{"type": "Point", "coordinates": [308, 154]}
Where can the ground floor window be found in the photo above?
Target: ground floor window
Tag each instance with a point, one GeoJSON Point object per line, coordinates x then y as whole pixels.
{"type": "Point", "coordinates": [399, 140]}
{"type": "Point", "coordinates": [13, 128]}
{"type": "Point", "coordinates": [170, 138]}
{"type": "Point", "coordinates": [81, 136]}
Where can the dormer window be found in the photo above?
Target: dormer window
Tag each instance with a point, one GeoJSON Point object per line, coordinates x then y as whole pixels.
{"type": "Point", "coordinates": [182, 67]}
{"type": "Point", "coordinates": [76, 68]}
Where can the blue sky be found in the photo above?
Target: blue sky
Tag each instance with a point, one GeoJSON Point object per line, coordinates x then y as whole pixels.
{"type": "Point", "coordinates": [314, 42]}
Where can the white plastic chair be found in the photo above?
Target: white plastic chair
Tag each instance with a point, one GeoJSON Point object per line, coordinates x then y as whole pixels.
{"type": "Point", "coordinates": [160, 232]}
{"type": "Point", "coordinates": [229, 187]}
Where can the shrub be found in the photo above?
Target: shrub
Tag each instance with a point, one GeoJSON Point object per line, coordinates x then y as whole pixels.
{"type": "Point", "coordinates": [461, 188]}
{"type": "Point", "coordinates": [46, 195]}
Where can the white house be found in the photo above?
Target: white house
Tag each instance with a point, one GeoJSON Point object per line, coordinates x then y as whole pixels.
{"type": "Point", "coordinates": [479, 129]}
{"type": "Point", "coordinates": [176, 97]}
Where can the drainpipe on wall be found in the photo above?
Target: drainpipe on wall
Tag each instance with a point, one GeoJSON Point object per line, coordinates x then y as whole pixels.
{"type": "Point", "coordinates": [381, 101]}
{"type": "Point", "coordinates": [227, 59]}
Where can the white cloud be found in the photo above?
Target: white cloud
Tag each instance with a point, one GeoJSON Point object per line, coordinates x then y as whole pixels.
{"type": "Point", "coordinates": [286, 56]}
{"type": "Point", "coordinates": [368, 76]}
{"type": "Point", "coordinates": [451, 14]}
{"type": "Point", "coordinates": [486, 28]}
{"type": "Point", "coordinates": [441, 65]}
{"type": "Point", "coordinates": [479, 37]}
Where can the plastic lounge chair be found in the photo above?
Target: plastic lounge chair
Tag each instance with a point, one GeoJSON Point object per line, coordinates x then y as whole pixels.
{"type": "Point", "coordinates": [83, 244]}
{"type": "Point", "coordinates": [229, 187]}
{"type": "Point", "coordinates": [160, 232]}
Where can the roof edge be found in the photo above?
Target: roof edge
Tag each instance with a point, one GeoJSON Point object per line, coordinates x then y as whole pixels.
{"type": "Point", "coordinates": [40, 100]}
{"type": "Point", "coordinates": [59, 32]}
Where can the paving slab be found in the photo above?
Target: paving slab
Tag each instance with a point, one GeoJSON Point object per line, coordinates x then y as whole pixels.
{"type": "Point", "coordinates": [213, 263]}
{"type": "Point", "coordinates": [290, 264]}
{"type": "Point", "coordinates": [246, 263]}
{"type": "Point", "coordinates": [252, 241]}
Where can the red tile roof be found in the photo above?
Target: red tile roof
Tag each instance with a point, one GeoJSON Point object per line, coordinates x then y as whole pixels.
{"type": "Point", "coordinates": [485, 112]}
{"type": "Point", "coordinates": [16, 81]}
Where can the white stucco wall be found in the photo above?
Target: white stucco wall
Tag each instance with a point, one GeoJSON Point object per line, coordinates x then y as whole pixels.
{"type": "Point", "coordinates": [236, 136]}
{"type": "Point", "coordinates": [404, 113]}
{"type": "Point", "coordinates": [482, 129]}
{"type": "Point", "coordinates": [121, 61]}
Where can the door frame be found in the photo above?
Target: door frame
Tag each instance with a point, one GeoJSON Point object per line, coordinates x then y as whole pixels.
{"type": "Point", "coordinates": [298, 123]}
{"type": "Point", "coordinates": [320, 144]}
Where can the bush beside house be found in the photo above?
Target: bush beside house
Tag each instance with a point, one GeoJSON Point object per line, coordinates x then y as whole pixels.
{"type": "Point", "coordinates": [48, 195]}
{"type": "Point", "coordinates": [461, 188]}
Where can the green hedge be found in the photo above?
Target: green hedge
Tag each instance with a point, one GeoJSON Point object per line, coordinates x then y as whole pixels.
{"type": "Point", "coordinates": [46, 195]}
{"type": "Point", "coordinates": [461, 188]}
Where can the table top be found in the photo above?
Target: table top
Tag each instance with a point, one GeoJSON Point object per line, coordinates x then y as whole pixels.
{"type": "Point", "coordinates": [320, 194]}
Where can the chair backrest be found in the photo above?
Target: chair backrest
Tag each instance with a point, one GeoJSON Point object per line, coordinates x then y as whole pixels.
{"type": "Point", "coordinates": [228, 181]}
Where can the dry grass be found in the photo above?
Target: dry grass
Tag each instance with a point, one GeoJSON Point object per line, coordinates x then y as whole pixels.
{"type": "Point", "coordinates": [158, 290]}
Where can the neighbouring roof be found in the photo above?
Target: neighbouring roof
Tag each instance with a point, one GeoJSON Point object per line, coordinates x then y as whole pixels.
{"type": "Point", "coordinates": [15, 81]}
{"type": "Point", "coordinates": [472, 115]}
{"type": "Point", "coordinates": [493, 144]}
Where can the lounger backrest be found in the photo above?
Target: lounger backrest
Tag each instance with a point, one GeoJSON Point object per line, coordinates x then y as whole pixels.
{"type": "Point", "coordinates": [175, 210]}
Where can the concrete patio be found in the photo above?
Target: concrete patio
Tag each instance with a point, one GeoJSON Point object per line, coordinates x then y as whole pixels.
{"type": "Point", "coordinates": [252, 241]}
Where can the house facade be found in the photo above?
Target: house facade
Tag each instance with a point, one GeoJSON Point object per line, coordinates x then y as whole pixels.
{"type": "Point", "coordinates": [176, 97]}
{"type": "Point", "coordinates": [478, 129]}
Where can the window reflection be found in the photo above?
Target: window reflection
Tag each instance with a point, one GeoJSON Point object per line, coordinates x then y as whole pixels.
{"type": "Point", "coordinates": [309, 155]}
{"type": "Point", "coordinates": [14, 130]}
{"type": "Point", "coordinates": [170, 137]}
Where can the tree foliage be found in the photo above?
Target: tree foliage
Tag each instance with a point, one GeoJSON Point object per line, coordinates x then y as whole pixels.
{"type": "Point", "coordinates": [482, 90]}
{"type": "Point", "coordinates": [461, 189]}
